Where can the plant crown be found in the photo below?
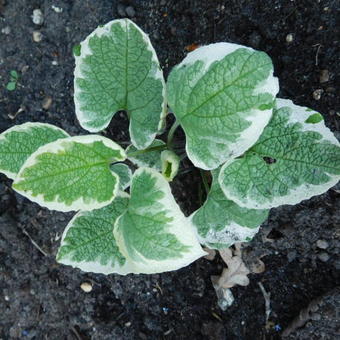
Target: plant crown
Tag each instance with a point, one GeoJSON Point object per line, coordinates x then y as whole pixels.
{"type": "Point", "coordinates": [262, 152]}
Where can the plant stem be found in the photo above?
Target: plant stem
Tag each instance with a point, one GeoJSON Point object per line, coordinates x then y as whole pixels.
{"type": "Point", "coordinates": [171, 134]}
{"type": "Point", "coordinates": [140, 152]}
{"type": "Point", "coordinates": [205, 182]}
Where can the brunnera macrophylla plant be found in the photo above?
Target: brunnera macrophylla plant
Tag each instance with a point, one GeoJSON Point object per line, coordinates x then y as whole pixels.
{"type": "Point", "coordinates": [262, 152]}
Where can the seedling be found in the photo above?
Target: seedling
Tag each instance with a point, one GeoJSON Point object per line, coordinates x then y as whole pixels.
{"type": "Point", "coordinates": [12, 84]}
{"type": "Point", "coordinates": [262, 152]}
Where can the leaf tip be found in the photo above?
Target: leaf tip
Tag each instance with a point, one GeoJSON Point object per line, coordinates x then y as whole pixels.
{"type": "Point", "coordinates": [314, 118]}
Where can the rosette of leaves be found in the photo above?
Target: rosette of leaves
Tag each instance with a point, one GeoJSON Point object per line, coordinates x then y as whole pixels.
{"type": "Point", "coordinates": [262, 151]}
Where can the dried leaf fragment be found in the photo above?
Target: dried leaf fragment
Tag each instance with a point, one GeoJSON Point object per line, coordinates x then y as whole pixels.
{"type": "Point", "coordinates": [211, 254]}
{"type": "Point", "coordinates": [235, 274]}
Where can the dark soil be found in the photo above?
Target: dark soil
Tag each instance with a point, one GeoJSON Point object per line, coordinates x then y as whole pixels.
{"type": "Point", "coordinates": [40, 299]}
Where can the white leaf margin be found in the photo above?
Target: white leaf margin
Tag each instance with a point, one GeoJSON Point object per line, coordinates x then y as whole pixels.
{"type": "Point", "coordinates": [258, 119]}
{"type": "Point", "coordinates": [86, 51]}
{"type": "Point", "coordinates": [181, 227]}
{"type": "Point", "coordinates": [299, 114]}
{"type": "Point", "coordinates": [23, 128]}
{"type": "Point", "coordinates": [229, 235]}
{"type": "Point", "coordinates": [55, 147]}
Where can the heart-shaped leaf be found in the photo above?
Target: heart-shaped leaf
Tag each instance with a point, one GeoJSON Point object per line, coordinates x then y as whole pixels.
{"type": "Point", "coordinates": [153, 233]}
{"type": "Point", "coordinates": [293, 160]}
{"type": "Point", "coordinates": [222, 95]}
{"type": "Point", "coordinates": [71, 174]}
{"type": "Point", "coordinates": [118, 69]}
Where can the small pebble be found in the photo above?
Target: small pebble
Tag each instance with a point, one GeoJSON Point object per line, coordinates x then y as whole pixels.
{"type": "Point", "coordinates": [255, 39]}
{"type": "Point", "coordinates": [324, 257]}
{"type": "Point", "coordinates": [130, 11]}
{"type": "Point", "coordinates": [142, 336]}
{"type": "Point", "coordinates": [14, 332]}
{"type": "Point", "coordinates": [121, 10]}
{"type": "Point", "coordinates": [57, 9]}
{"type": "Point", "coordinates": [155, 35]}
{"type": "Point", "coordinates": [314, 308]}
{"type": "Point", "coordinates": [6, 30]}
{"type": "Point", "coordinates": [86, 287]}
{"type": "Point", "coordinates": [47, 102]}
{"type": "Point", "coordinates": [324, 76]}
{"type": "Point", "coordinates": [37, 36]}
{"type": "Point", "coordinates": [37, 17]}
{"type": "Point", "coordinates": [128, 324]}
{"type": "Point", "coordinates": [330, 89]}
{"type": "Point", "coordinates": [317, 94]}
{"type": "Point", "coordinates": [54, 63]}
{"type": "Point", "coordinates": [289, 38]}
{"type": "Point", "coordinates": [24, 69]}
{"type": "Point", "coordinates": [322, 244]}
{"type": "Point", "coordinates": [316, 317]}
{"type": "Point", "coordinates": [291, 255]}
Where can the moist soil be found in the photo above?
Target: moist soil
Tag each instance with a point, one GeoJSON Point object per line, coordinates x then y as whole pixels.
{"type": "Point", "coordinates": [41, 299]}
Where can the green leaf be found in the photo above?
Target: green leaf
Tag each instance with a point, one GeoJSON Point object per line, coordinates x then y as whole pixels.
{"type": "Point", "coordinates": [124, 173]}
{"type": "Point", "coordinates": [314, 118]}
{"type": "Point", "coordinates": [170, 164]}
{"type": "Point", "coordinates": [71, 174]}
{"type": "Point", "coordinates": [291, 161]}
{"type": "Point", "coordinates": [153, 233]}
{"type": "Point", "coordinates": [20, 141]}
{"type": "Point", "coordinates": [11, 86]}
{"type": "Point", "coordinates": [14, 74]}
{"type": "Point", "coordinates": [150, 159]}
{"type": "Point", "coordinates": [88, 242]}
{"type": "Point", "coordinates": [117, 70]}
{"type": "Point", "coordinates": [76, 50]}
{"type": "Point", "coordinates": [222, 95]}
{"type": "Point", "coordinates": [220, 222]}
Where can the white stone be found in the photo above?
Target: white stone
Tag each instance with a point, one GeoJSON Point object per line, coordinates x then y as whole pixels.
{"type": "Point", "coordinates": [289, 38]}
{"type": "Point", "coordinates": [37, 17]}
{"type": "Point", "coordinates": [322, 244]}
{"type": "Point", "coordinates": [86, 287]}
{"type": "Point", "coordinates": [6, 30]}
{"type": "Point", "coordinates": [37, 36]}
{"type": "Point", "coordinates": [57, 9]}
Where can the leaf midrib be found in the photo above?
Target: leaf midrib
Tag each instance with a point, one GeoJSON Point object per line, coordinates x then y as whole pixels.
{"type": "Point", "coordinates": [223, 88]}
{"type": "Point", "coordinates": [62, 172]}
